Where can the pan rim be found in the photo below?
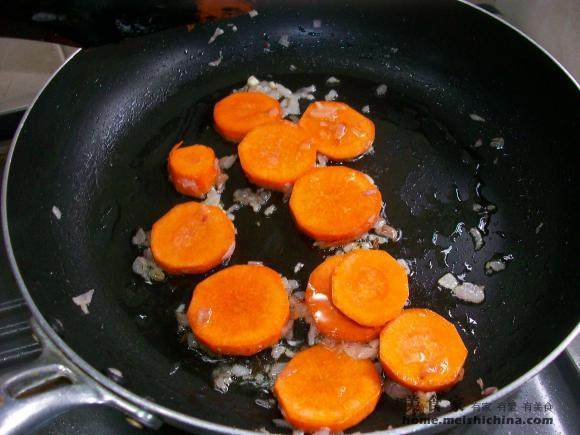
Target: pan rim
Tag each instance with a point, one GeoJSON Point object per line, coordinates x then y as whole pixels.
{"type": "Point", "coordinates": [170, 415]}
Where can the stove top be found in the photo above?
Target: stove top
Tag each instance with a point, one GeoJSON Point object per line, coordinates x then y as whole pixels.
{"type": "Point", "coordinates": [549, 403]}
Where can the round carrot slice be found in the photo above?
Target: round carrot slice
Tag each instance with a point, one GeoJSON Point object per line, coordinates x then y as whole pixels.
{"type": "Point", "coordinates": [275, 155]}
{"type": "Point", "coordinates": [335, 203]}
{"type": "Point", "coordinates": [422, 351]}
{"type": "Point", "coordinates": [193, 170]}
{"type": "Point", "coordinates": [324, 388]}
{"type": "Point", "coordinates": [239, 310]}
{"type": "Point", "coordinates": [370, 287]}
{"type": "Point", "coordinates": [192, 238]}
{"type": "Point", "coordinates": [237, 114]}
{"type": "Point", "coordinates": [330, 321]}
{"type": "Point", "coordinates": [339, 131]}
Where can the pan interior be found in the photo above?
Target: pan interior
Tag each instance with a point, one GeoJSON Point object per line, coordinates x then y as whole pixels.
{"type": "Point", "coordinates": [96, 142]}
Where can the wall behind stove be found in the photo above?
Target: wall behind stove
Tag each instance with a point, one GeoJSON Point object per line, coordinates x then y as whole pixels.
{"type": "Point", "coordinates": [26, 65]}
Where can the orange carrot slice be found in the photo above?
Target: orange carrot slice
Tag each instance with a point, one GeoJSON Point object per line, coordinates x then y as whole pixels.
{"type": "Point", "coordinates": [275, 155]}
{"type": "Point", "coordinates": [369, 287]}
{"type": "Point", "coordinates": [330, 321]}
{"type": "Point", "coordinates": [239, 113]}
{"type": "Point", "coordinates": [193, 170]}
{"type": "Point", "coordinates": [192, 238]}
{"type": "Point", "coordinates": [324, 388]}
{"type": "Point", "coordinates": [422, 351]}
{"type": "Point", "coordinates": [239, 310]}
{"type": "Point", "coordinates": [339, 131]}
{"type": "Point", "coordinates": [335, 203]}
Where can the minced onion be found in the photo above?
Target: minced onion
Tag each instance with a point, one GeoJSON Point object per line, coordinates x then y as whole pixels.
{"type": "Point", "coordinates": [56, 212]}
{"type": "Point", "coordinates": [83, 300]}
{"type": "Point", "coordinates": [469, 292]}
{"type": "Point", "coordinates": [254, 199]}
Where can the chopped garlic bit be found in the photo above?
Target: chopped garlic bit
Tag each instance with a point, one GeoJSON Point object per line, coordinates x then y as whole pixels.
{"type": "Point", "coordinates": [224, 376]}
{"type": "Point", "coordinates": [381, 90]}
{"type": "Point", "coordinates": [383, 229]}
{"type": "Point", "coordinates": [321, 159]}
{"type": "Point", "coordinates": [331, 96]}
{"type": "Point", "coordinates": [145, 267]}
{"type": "Point", "coordinates": [366, 109]}
{"type": "Point", "coordinates": [213, 197]}
{"type": "Point", "coordinates": [448, 281]}
{"type": "Point", "coordinates": [254, 199]}
{"type": "Point", "coordinates": [298, 267]}
{"type": "Point", "coordinates": [476, 117]}
{"type": "Point", "coordinates": [277, 351]}
{"type": "Point", "coordinates": [465, 291]}
{"type": "Point", "coordinates": [230, 211]}
{"type": "Point", "coordinates": [270, 210]}
{"type": "Point", "coordinates": [494, 266]}
{"type": "Point", "coordinates": [140, 238]}
{"type": "Point", "coordinates": [332, 81]}
{"type": "Point", "coordinates": [83, 300]}
{"type": "Point", "coordinates": [477, 238]}
{"type": "Point", "coordinates": [115, 374]}
{"type": "Point", "coordinates": [252, 82]}
{"type": "Point", "coordinates": [359, 350]}
{"type": "Point", "coordinates": [217, 61]}
{"type": "Point", "coordinates": [227, 162]}
{"type": "Point", "coordinates": [253, 13]}
{"type": "Point", "coordinates": [298, 308]}
{"type": "Point", "coordinates": [290, 284]}
{"type": "Point", "coordinates": [218, 31]}
{"type": "Point", "coordinates": [56, 212]}
{"type": "Point", "coordinates": [366, 241]}
{"type": "Point", "coordinates": [469, 292]}
{"type": "Point", "coordinates": [290, 101]}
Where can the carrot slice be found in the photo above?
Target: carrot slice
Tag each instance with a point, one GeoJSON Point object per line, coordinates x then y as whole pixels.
{"type": "Point", "coordinates": [335, 203]}
{"type": "Point", "coordinates": [422, 351]}
{"type": "Point", "coordinates": [339, 131]}
{"type": "Point", "coordinates": [192, 238]}
{"type": "Point", "coordinates": [193, 170]}
{"type": "Point", "coordinates": [237, 114]}
{"type": "Point", "coordinates": [239, 310]}
{"type": "Point", "coordinates": [275, 155]}
{"type": "Point", "coordinates": [324, 388]}
{"type": "Point", "coordinates": [330, 321]}
{"type": "Point", "coordinates": [370, 287]}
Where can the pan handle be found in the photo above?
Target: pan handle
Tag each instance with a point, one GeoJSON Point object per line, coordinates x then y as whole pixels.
{"type": "Point", "coordinates": [50, 385]}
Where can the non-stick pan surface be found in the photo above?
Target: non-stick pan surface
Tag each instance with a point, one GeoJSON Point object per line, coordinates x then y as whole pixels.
{"type": "Point", "coordinates": [95, 145]}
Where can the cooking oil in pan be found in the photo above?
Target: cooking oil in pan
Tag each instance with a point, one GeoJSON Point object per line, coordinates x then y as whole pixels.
{"type": "Point", "coordinates": [433, 192]}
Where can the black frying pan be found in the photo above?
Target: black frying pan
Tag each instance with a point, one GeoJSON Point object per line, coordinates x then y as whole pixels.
{"type": "Point", "coordinates": [95, 143]}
